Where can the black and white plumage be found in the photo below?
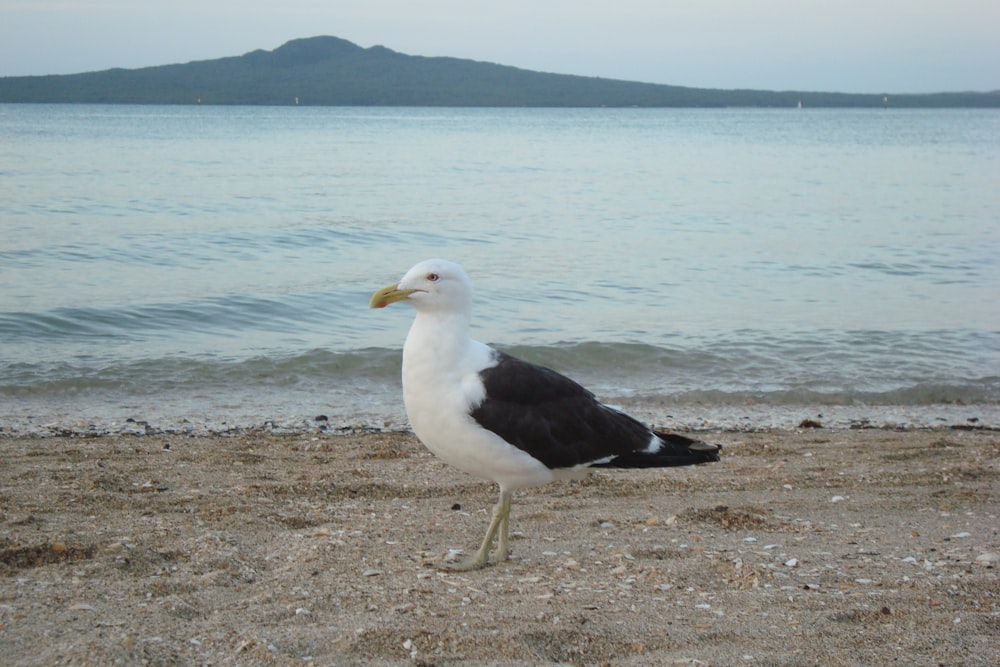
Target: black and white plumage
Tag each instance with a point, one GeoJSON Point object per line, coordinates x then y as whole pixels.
{"type": "Point", "coordinates": [504, 419]}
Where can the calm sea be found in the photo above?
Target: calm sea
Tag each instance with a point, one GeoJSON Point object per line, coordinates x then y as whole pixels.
{"type": "Point", "coordinates": [212, 265]}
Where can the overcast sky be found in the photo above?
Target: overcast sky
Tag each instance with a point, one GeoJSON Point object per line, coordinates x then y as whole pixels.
{"type": "Point", "coordinates": [867, 46]}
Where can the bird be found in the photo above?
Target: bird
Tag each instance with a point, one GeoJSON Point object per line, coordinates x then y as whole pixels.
{"type": "Point", "coordinates": [504, 419]}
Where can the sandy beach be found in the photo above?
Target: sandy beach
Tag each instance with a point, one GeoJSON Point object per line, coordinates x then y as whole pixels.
{"type": "Point", "coordinates": [801, 547]}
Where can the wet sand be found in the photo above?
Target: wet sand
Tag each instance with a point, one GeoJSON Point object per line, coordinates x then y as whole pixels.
{"type": "Point", "coordinates": [813, 546]}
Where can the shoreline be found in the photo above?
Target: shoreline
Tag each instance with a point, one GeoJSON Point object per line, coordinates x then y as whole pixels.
{"type": "Point", "coordinates": [814, 546]}
{"type": "Point", "coordinates": [749, 418]}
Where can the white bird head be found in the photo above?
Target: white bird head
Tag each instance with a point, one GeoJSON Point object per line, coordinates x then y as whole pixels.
{"type": "Point", "coordinates": [433, 285]}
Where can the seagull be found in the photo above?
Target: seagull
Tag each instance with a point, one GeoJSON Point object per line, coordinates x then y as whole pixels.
{"type": "Point", "coordinates": [504, 419]}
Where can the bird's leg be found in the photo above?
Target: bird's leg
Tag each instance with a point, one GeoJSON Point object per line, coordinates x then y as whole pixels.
{"type": "Point", "coordinates": [502, 551]}
{"type": "Point", "coordinates": [500, 520]}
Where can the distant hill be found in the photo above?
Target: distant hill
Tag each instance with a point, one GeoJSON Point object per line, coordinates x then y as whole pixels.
{"type": "Point", "coordinates": [334, 72]}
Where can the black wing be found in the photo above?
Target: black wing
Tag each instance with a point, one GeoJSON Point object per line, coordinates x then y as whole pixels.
{"type": "Point", "coordinates": [553, 418]}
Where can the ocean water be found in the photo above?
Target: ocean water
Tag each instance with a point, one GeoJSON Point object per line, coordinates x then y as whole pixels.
{"type": "Point", "coordinates": [212, 265]}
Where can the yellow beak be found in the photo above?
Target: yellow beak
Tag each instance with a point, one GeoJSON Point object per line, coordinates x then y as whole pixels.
{"type": "Point", "coordinates": [387, 295]}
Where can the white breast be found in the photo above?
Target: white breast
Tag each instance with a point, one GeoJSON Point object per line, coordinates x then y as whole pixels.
{"type": "Point", "coordinates": [440, 386]}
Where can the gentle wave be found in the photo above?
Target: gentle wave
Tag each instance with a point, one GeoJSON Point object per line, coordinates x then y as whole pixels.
{"type": "Point", "coordinates": [724, 372]}
{"type": "Point", "coordinates": [228, 314]}
{"type": "Point", "coordinates": [191, 249]}
{"type": "Point", "coordinates": [151, 376]}
{"type": "Point", "coordinates": [839, 367]}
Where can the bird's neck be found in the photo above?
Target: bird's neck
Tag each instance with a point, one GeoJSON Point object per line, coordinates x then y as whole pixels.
{"type": "Point", "coordinates": [441, 337]}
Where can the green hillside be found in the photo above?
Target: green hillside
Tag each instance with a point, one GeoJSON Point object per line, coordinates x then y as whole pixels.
{"type": "Point", "coordinates": [332, 71]}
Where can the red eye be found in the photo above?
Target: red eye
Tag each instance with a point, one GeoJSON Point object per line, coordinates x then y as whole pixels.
{"type": "Point", "coordinates": [433, 277]}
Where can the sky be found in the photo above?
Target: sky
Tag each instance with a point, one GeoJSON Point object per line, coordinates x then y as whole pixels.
{"type": "Point", "coordinates": [862, 46]}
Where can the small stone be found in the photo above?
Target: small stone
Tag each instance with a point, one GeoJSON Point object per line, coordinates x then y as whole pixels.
{"type": "Point", "coordinates": [371, 573]}
{"type": "Point", "coordinates": [988, 559]}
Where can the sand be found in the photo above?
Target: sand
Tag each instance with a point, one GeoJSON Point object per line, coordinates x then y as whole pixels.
{"type": "Point", "coordinates": [813, 546]}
